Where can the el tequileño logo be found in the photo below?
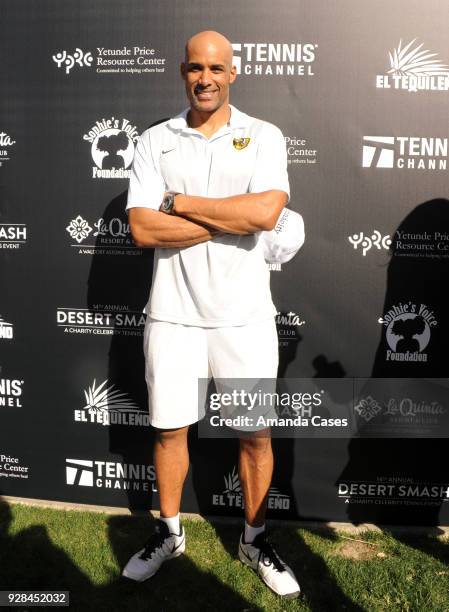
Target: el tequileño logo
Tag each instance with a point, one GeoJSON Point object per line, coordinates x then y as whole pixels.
{"type": "Point", "coordinates": [105, 404]}
{"type": "Point", "coordinates": [414, 68]}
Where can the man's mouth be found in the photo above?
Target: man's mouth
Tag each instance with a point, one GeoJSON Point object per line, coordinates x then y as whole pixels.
{"type": "Point", "coordinates": [205, 94]}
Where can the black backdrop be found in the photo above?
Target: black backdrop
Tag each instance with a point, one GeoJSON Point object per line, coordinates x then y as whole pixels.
{"type": "Point", "coordinates": [367, 164]}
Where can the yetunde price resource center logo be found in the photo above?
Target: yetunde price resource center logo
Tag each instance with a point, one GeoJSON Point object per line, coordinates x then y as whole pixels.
{"type": "Point", "coordinates": [112, 147]}
{"type": "Point", "coordinates": [414, 68]}
{"type": "Point", "coordinates": [368, 241]}
{"type": "Point", "coordinates": [11, 467]}
{"type": "Point", "coordinates": [107, 405]}
{"type": "Point", "coordinates": [231, 496]}
{"type": "Point", "coordinates": [131, 60]}
{"type": "Point", "coordinates": [408, 330]}
{"type": "Point", "coordinates": [300, 152]}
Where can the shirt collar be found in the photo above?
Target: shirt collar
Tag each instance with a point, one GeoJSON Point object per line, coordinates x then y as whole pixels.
{"type": "Point", "coordinates": [236, 120]}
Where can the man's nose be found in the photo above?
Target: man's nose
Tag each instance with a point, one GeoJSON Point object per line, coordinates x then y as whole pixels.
{"type": "Point", "coordinates": [205, 77]}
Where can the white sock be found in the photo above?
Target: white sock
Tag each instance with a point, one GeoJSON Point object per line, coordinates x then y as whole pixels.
{"type": "Point", "coordinates": [172, 523]}
{"type": "Point", "coordinates": [252, 532]}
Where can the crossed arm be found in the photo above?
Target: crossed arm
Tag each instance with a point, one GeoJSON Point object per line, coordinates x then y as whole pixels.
{"type": "Point", "coordinates": [198, 219]}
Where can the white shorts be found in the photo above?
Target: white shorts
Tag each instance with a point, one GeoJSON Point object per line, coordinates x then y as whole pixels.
{"type": "Point", "coordinates": [176, 356]}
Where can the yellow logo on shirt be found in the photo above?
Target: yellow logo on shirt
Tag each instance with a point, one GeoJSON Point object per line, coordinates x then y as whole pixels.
{"type": "Point", "coordinates": [240, 143]}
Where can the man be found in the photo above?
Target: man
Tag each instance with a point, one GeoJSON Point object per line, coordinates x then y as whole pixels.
{"type": "Point", "coordinates": [221, 177]}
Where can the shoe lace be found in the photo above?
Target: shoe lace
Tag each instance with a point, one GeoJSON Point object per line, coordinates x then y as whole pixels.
{"type": "Point", "coordinates": [153, 546]}
{"type": "Point", "coordinates": [268, 556]}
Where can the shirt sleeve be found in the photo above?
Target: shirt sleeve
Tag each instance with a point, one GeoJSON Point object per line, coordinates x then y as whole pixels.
{"type": "Point", "coordinates": [146, 185]}
{"type": "Point", "coordinates": [271, 162]}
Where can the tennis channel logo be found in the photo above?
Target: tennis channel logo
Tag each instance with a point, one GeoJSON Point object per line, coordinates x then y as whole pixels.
{"type": "Point", "coordinates": [274, 59]}
{"type": "Point", "coordinates": [405, 152]}
{"type": "Point", "coordinates": [110, 475]}
{"type": "Point", "coordinates": [11, 390]}
{"type": "Point", "coordinates": [414, 68]}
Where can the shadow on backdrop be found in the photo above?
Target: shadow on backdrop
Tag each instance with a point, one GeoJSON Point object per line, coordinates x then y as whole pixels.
{"type": "Point", "coordinates": [414, 325]}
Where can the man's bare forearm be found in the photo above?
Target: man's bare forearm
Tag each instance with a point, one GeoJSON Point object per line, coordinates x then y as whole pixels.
{"type": "Point", "coordinates": [151, 228]}
{"type": "Point", "coordinates": [240, 214]}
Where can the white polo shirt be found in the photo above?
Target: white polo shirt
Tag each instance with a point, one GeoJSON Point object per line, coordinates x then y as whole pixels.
{"type": "Point", "coordinates": [225, 281]}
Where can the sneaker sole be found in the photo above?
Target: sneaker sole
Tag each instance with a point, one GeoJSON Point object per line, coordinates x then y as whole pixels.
{"type": "Point", "coordinates": [245, 561]}
{"type": "Point", "coordinates": [142, 579]}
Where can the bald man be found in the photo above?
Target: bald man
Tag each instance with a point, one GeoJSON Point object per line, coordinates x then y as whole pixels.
{"type": "Point", "coordinates": [203, 186]}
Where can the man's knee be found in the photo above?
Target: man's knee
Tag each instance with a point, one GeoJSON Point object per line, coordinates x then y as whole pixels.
{"type": "Point", "coordinates": [256, 443]}
{"type": "Point", "coordinates": [172, 437]}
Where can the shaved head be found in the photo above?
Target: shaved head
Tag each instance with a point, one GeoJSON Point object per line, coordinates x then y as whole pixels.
{"type": "Point", "coordinates": [208, 72]}
{"type": "Point", "coordinates": [209, 40]}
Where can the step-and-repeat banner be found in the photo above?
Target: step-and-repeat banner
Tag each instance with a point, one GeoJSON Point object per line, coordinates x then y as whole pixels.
{"type": "Point", "coordinates": [360, 92]}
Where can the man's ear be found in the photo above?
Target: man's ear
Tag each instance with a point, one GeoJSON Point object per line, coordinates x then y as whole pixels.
{"type": "Point", "coordinates": [182, 69]}
{"type": "Point", "coordinates": [233, 74]}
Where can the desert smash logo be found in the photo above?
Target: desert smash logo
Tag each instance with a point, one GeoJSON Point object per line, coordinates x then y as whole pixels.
{"type": "Point", "coordinates": [393, 491]}
{"type": "Point", "coordinates": [414, 69]}
{"type": "Point", "coordinates": [405, 152]}
{"type": "Point", "coordinates": [107, 319]}
{"type": "Point", "coordinates": [408, 330]}
{"type": "Point", "coordinates": [131, 60]}
{"type": "Point", "coordinates": [274, 59]}
{"type": "Point", "coordinates": [112, 147]}
{"type": "Point", "coordinates": [12, 235]}
{"type": "Point", "coordinates": [110, 475]}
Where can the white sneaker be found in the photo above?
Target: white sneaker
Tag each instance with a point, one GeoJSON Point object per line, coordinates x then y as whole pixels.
{"type": "Point", "coordinates": [162, 546]}
{"type": "Point", "coordinates": [263, 559]}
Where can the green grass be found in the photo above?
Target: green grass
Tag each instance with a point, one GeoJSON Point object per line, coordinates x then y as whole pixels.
{"type": "Point", "coordinates": [83, 552]}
